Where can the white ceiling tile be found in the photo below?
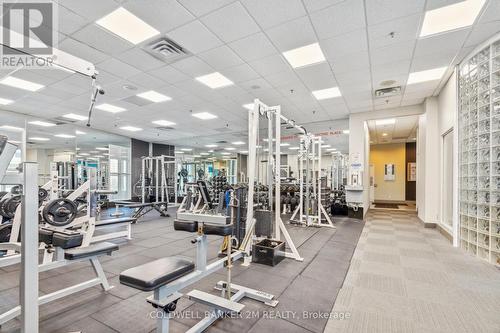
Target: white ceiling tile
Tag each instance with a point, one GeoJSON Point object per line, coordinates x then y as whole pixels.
{"type": "Point", "coordinates": [314, 5]}
{"type": "Point", "coordinates": [231, 22]}
{"type": "Point", "coordinates": [482, 32]}
{"type": "Point", "coordinates": [200, 8]}
{"type": "Point", "coordinates": [378, 11]}
{"type": "Point", "coordinates": [392, 53]}
{"type": "Point", "coordinates": [193, 66]}
{"type": "Point", "coordinates": [164, 15]}
{"type": "Point", "coordinates": [118, 68]}
{"type": "Point", "coordinates": [349, 62]}
{"type": "Point", "coordinates": [392, 71]}
{"type": "Point", "coordinates": [221, 57]}
{"type": "Point", "coordinates": [92, 11]}
{"type": "Point", "coordinates": [195, 37]}
{"type": "Point", "coordinates": [140, 59]}
{"type": "Point", "coordinates": [425, 87]}
{"type": "Point", "coordinates": [255, 85]}
{"type": "Point", "coordinates": [146, 80]}
{"type": "Point", "coordinates": [491, 11]}
{"type": "Point", "coordinates": [105, 78]}
{"type": "Point", "coordinates": [253, 47]}
{"type": "Point", "coordinates": [169, 74]}
{"type": "Point", "coordinates": [351, 42]}
{"type": "Point", "coordinates": [293, 34]}
{"type": "Point", "coordinates": [353, 77]}
{"type": "Point", "coordinates": [433, 4]}
{"type": "Point", "coordinates": [240, 73]}
{"type": "Point", "coordinates": [270, 65]}
{"type": "Point", "coordinates": [81, 50]}
{"type": "Point", "coordinates": [68, 21]}
{"type": "Point", "coordinates": [403, 29]}
{"type": "Point", "coordinates": [429, 61]}
{"type": "Point", "coordinates": [317, 77]}
{"type": "Point", "coordinates": [445, 43]}
{"type": "Point", "coordinates": [283, 78]}
{"type": "Point", "coordinates": [272, 13]}
{"type": "Point", "coordinates": [336, 20]}
{"type": "Point", "coordinates": [102, 40]}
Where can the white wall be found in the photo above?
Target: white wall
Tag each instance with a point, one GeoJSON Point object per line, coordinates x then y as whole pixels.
{"type": "Point", "coordinates": [447, 103]}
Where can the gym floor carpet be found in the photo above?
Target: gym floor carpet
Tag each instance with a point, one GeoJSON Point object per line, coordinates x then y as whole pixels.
{"type": "Point", "coordinates": [310, 286]}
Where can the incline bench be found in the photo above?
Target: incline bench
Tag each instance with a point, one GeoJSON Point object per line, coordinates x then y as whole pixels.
{"type": "Point", "coordinates": [67, 252]}
{"type": "Point", "coordinates": [167, 276]}
{"type": "Point", "coordinates": [142, 208]}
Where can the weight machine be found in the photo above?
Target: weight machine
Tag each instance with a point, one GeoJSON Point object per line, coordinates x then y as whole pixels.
{"type": "Point", "coordinates": [274, 123]}
{"type": "Point", "coordinates": [310, 209]}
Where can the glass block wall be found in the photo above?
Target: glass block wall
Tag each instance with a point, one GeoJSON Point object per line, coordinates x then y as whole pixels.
{"type": "Point", "coordinates": [479, 141]}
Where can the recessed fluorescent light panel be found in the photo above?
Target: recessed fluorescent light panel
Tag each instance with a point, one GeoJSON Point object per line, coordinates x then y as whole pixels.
{"type": "Point", "coordinates": [294, 148]}
{"type": "Point", "coordinates": [21, 84]}
{"type": "Point", "coordinates": [327, 93]}
{"type": "Point", "coordinates": [131, 128]}
{"type": "Point", "coordinates": [109, 108]}
{"type": "Point", "coordinates": [77, 132]}
{"type": "Point", "coordinates": [214, 80]}
{"type": "Point", "coordinates": [179, 152]}
{"type": "Point", "coordinates": [244, 152]}
{"type": "Point", "coordinates": [41, 123]}
{"type": "Point", "coordinates": [346, 131]}
{"type": "Point", "coordinates": [123, 23]}
{"type": "Point", "coordinates": [382, 122]}
{"type": "Point", "coordinates": [37, 138]}
{"type": "Point", "coordinates": [204, 115]}
{"type": "Point", "coordinates": [230, 148]}
{"type": "Point", "coordinates": [305, 55]}
{"type": "Point", "coordinates": [74, 116]}
{"type": "Point", "coordinates": [65, 136]}
{"type": "Point", "coordinates": [101, 148]}
{"type": "Point", "coordinates": [186, 149]}
{"type": "Point", "coordinates": [5, 101]}
{"type": "Point", "coordinates": [163, 123]}
{"type": "Point", "coordinates": [248, 106]}
{"type": "Point", "coordinates": [428, 75]}
{"type": "Point", "coordinates": [238, 143]}
{"type": "Point", "coordinates": [284, 144]}
{"type": "Point", "coordinates": [211, 146]}
{"type": "Point", "coordinates": [154, 96]}
{"type": "Point", "coordinates": [458, 15]}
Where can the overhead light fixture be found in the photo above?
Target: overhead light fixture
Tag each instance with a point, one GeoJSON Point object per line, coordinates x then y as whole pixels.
{"type": "Point", "coordinates": [5, 101]}
{"type": "Point", "coordinates": [131, 128]}
{"type": "Point", "coordinates": [244, 152]}
{"type": "Point", "coordinates": [204, 115]}
{"type": "Point", "coordinates": [224, 153]}
{"type": "Point", "coordinates": [66, 136]}
{"type": "Point", "coordinates": [331, 149]}
{"type": "Point", "coordinates": [41, 123]}
{"type": "Point", "coordinates": [248, 106]}
{"type": "Point", "coordinates": [84, 154]}
{"type": "Point", "coordinates": [94, 152]}
{"type": "Point", "coordinates": [384, 134]}
{"type": "Point", "coordinates": [414, 138]}
{"type": "Point", "coordinates": [327, 93]}
{"type": "Point", "coordinates": [455, 16]}
{"type": "Point", "coordinates": [12, 128]}
{"type": "Point", "coordinates": [211, 146]}
{"type": "Point", "coordinates": [325, 146]}
{"type": "Point", "coordinates": [74, 116]}
{"type": "Point", "coordinates": [154, 96]}
{"type": "Point", "coordinates": [382, 122]}
{"type": "Point", "coordinates": [101, 148]}
{"type": "Point", "coordinates": [211, 151]}
{"type": "Point", "coordinates": [110, 108]}
{"type": "Point", "coordinates": [238, 143]}
{"type": "Point", "coordinates": [196, 156]}
{"type": "Point", "coordinates": [187, 149]}
{"type": "Point", "coordinates": [230, 148]}
{"type": "Point", "coordinates": [284, 144]}
{"type": "Point", "coordinates": [294, 148]}
{"type": "Point", "coordinates": [123, 23]}
{"type": "Point", "coordinates": [77, 132]}
{"type": "Point", "coordinates": [204, 154]}
{"type": "Point", "coordinates": [37, 138]}
{"type": "Point", "coordinates": [346, 131]}
{"type": "Point", "coordinates": [99, 156]}
{"type": "Point", "coordinates": [214, 80]}
{"type": "Point", "coordinates": [163, 123]}
{"type": "Point", "coordinates": [305, 55]}
{"type": "Point", "coordinates": [21, 84]}
{"type": "Point", "coordinates": [427, 75]}
{"type": "Point", "coordinates": [179, 152]}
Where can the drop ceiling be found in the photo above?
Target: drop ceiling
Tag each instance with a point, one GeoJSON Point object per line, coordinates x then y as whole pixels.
{"type": "Point", "coordinates": [393, 130]}
{"type": "Point", "coordinates": [364, 43]}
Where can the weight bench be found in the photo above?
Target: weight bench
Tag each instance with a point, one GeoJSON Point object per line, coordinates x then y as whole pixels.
{"type": "Point", "coordinates": [142, 208]}
{"type": "Point", "coordinates": [64, 258]}
{"type": "Point", "coordinates": [167, 276]}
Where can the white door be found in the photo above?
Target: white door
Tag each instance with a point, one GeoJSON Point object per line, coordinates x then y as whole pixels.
{"type": "Point", "coordinates": [372, 183]}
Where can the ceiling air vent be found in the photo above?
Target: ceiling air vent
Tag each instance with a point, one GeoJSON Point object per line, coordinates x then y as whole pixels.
{"type": "Point", "coordinates": [166, 50]}
{"type": "Point", "coordinates": [387, 92]}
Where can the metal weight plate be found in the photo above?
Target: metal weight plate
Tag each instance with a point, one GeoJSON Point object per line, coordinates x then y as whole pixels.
{"type": "Point", "coordinates": [59, 212]}
{"type": "Point", "coordinates": [5, 230]}
{"type": "Point", "coordinates": [8, 206]}
{"type": "Point", "coordinates": [16, 190]}
{"type": "Point", "coordinates": [2, 193]}
{"type": "Point", "coordinates": [42, 194]}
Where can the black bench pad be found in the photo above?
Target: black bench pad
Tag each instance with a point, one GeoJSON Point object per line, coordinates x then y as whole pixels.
{"type": "Point", "coordinates": [118, 220]}
{"type": "Point", "coordinates": [219, 230]}
{"type": "Point", "coordinates": [188, 226]}
{"type": "Point", "coordinates": [90, 251]}
{"type": "Point", "coordinates": [157, 273]}
{"type": "Point", "coordinates": [140, 204]}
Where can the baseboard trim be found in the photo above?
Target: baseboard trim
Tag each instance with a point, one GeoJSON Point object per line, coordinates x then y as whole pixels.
{"type": "Point", "coordinates": [428, 224]}
{"type": "Point", "coordinates": [445, 233]}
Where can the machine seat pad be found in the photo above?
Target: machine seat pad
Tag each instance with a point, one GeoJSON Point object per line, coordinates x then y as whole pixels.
{"type": "Point", "coordinates": [141, 205]}
{"type": "Point", "coordinates": [118, 220]}
{"type": "Point", "coordinates": [157, 273]}
{"type": "Point", "coordinates": [188, 226]}
{"type": "Point", "coordinates": [90, 251]}
{"type": "Point", "coordinates": [219, 230]}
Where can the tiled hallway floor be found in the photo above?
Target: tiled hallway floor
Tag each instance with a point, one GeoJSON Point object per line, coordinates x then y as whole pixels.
{"type": "Point", "coordinates": [405, 278]}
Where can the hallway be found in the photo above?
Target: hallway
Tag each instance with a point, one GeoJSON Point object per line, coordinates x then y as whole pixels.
{"type": "Point", "coordinates": [405, 278]}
